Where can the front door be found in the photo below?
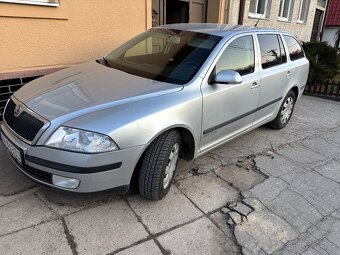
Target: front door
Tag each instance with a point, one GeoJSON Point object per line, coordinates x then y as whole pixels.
{"type": "Point", "coordinates": [178, 11]}
{"type": "Point", "coordinates": [316, 25]}
{"type": "Point", "coordinates": [197, 11]}
{"type": "Point", "coordinates": [228, 109]}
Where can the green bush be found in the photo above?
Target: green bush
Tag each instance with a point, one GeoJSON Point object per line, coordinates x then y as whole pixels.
{"type": "Point", "coordinates": [324, 61]}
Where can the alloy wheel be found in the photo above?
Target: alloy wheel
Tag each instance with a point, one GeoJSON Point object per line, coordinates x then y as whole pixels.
{"type": "Point", "coordinates": [287, 109]}
{"type": "Point", "coordinates": [170, 168]}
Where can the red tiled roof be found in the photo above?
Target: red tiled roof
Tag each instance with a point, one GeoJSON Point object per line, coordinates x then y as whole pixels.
{"type": "Point", "coordinates": [333, 13]}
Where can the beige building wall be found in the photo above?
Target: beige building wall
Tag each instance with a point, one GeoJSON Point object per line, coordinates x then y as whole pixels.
{"type": "Point", "coordinates": [302, 31]}
{"type": "Point", "coordinates": [36, 37]}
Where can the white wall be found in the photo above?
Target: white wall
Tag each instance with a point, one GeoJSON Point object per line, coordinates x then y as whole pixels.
{"type": "Point", "coordinates": [329, 35]}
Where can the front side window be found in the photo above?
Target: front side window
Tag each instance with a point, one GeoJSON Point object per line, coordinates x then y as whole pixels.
{"type": "Point", "coordinates": [303, 11]}
{"type": "Point", "coordinates": [294, 48]}
{"type": "Point", "coordinates": [238, 56]}
{"type": "Point", "coordinates": [285, 10]}
{"type": "Point", "coordinates": [167, 55]}
{"type": "Point", "coordinates": [272, 51]}
{"type": "Point", "coordinates": [259, 8]}
{"type": "Point", "coordinates": [34, 2]}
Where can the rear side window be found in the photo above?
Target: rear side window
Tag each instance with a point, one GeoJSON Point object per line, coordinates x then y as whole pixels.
{"type": "Point", "coordinates": [294, 48]}
{"type": "Point", "coordinates": [272, 51]}
{"type": "Point", "coordinates": [238, 56]}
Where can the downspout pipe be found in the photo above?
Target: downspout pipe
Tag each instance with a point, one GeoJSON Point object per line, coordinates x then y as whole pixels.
{"type": "Point", "coordinates": [228, 12]}
{"type": "Point", "coordinates": [324, 21]}
{"type": "Point", "coordinates": [241, 12]}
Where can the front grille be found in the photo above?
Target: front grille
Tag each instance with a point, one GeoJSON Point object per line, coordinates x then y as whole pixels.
{"type": "Point", "coordinates": [25, 125]}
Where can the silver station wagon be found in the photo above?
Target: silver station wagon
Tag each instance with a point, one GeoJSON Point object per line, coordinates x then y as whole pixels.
{"type": "Point", "coordinates": [175, 91]}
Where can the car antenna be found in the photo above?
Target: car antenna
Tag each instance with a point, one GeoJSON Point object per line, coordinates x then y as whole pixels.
{"type": "Point", "coordinates": [258, 20]}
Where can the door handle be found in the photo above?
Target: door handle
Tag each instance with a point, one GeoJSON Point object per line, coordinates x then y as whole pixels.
{"type": "Point", "coordinates": [255, 85]}
{"type": "Point", "coordinates": [289, 73]}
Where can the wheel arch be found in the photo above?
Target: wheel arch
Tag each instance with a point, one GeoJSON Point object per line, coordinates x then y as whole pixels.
{"type": "Point", "coordinates": [295, 89]}
{"type": "Point", "coordinates": [188, 146]}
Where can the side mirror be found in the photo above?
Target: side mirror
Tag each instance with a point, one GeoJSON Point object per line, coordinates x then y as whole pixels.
{"type": "Point", "coordinates": [227, 77]}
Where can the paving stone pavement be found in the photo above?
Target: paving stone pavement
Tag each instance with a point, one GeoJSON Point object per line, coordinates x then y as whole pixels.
{"type": "Point", "coordinates": [267, 192]}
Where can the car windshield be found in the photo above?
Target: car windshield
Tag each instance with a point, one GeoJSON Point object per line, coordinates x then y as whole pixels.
{"type": "Point", "coordinates": [168, 55]}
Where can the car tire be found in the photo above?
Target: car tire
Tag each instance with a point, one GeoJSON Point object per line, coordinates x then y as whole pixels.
{"type": "Point", "coordinates": [158, 165]}
{"type": "Point", "coordinates": [285, 112]}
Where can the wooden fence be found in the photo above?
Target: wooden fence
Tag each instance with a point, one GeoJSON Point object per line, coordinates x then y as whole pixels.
{"type": "Point", "coordinates": [329, 89]}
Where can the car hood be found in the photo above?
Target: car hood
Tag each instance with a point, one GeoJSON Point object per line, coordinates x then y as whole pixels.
{"type": "Point", "coordinates": [86, 88]}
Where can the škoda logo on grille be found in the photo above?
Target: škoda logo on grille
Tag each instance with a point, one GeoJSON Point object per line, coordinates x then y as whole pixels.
{"type": "Point", "coordinates": [18, 110]}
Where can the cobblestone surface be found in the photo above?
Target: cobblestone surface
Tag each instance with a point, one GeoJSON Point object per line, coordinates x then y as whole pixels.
{"type": "Point", "coordinates": [282, 189]}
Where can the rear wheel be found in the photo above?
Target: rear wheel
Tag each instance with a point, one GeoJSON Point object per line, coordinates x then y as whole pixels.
{"type": "Point", "coordinates": [285, 112]}
{"type": "Point", "coordinates": [159, 165]}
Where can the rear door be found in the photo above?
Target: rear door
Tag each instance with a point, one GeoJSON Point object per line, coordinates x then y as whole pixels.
{"type": "Point", "coordinates": [275, 74]}
{"type": "Point", "coordinates": [228, 109]}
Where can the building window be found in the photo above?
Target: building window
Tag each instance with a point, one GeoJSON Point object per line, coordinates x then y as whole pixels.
{"type": "Point", "coordinates": [33, 2]}
{"type": "Point", "coordinates": [303, 11]}
{"type": "Point", "coordinates": [259, 8]}
{"type": "Point", "coordinates": [337, 40]}
{"type": "Point", "coordinates": [286, 9]}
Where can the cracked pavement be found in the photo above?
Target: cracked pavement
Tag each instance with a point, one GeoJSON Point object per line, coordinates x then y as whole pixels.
{"type": "Point", "coordinates": [267, 192]}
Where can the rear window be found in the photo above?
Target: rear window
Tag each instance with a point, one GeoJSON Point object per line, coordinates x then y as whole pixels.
{"type": "Point", "coordinates": [272, 51]}
{"type": "Point", "coordinates": [294, 48]}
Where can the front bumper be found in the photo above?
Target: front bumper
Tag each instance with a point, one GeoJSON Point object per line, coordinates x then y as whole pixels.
{"type": "Point", "coordinates": [95, 172]}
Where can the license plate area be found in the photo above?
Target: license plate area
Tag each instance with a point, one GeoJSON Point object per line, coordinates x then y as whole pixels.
{"type": "Point", "coordinates": [12, 149]}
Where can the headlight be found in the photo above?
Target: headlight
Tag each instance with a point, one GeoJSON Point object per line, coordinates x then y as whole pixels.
{"type": "Point", "coordinates": [81, 141]}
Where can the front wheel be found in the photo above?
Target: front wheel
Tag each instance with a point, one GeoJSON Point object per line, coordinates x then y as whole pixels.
{"type": "Point", "coordinates": [159, 165]}
{"type": "Point", "coordinates": [285, 112]}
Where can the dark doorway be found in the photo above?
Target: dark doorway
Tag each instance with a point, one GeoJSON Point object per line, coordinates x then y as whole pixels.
{"type": "Point", "coordinates": [316, 25]}
{"type": "Point", "coordinates": [177, 12]}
